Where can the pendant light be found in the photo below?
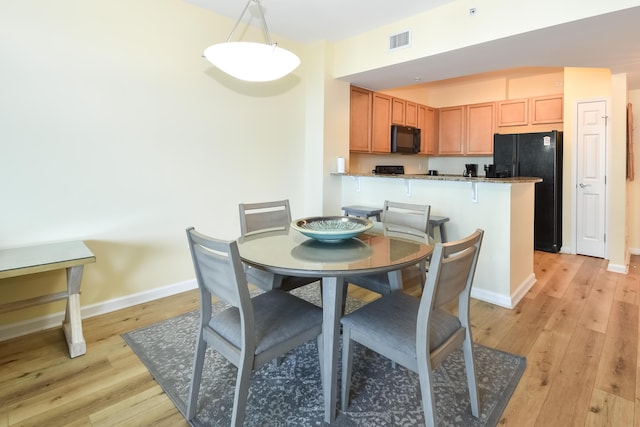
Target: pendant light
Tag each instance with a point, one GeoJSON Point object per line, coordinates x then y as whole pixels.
{"type": "Point", "coordinates": [250, 61]}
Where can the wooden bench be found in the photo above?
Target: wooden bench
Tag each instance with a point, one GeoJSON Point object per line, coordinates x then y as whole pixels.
{"type": "Point", "coordinates": [71, 256]}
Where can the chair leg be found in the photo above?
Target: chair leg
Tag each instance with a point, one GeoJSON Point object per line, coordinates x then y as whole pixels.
{"type": "Point", "coordinates": [243, 378]}
{"type": "Point", "coordinates": [347, 359]}
{"type": "Point", "coordinates": [470, 368]}
{"type": "Point", "coordinates": [194, 388]}
{"type": "Point", "coordinates": [428, 397]}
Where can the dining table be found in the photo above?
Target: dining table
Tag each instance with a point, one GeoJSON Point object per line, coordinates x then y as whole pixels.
{"type": "Point", "coordinates": [291, 253]}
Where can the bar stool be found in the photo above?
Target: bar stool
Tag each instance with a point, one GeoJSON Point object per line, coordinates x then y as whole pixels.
{"type": "Point", "coordinates": [438, 221]}
{"type": "Point", "coordinates": [362, 212]}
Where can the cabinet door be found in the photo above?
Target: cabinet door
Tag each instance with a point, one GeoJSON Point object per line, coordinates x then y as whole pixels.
{"type": "Point", "coordinates": [397, 111]}
{"type": "Point", "coordinates": [513, 112]}
{"type": "Point", "coordinates": [547, 109]}
{"type": "Point", "coordinates": [381, 124]}
{"type": "Point", "coordinates": [360, 120]}
{"type": "Point", "coordinates": [480, 128]}
{"type": "Point", "coordinates": [411, 114]}
{"type": "Point", "coordinates": [451, 130]}
{"type": "Point", "coordinates": [427, 126]}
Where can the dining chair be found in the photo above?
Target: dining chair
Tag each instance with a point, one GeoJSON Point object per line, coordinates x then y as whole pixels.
{"type": "Point", "coordinates": [251, 331]}
{"type": "Point", "coordinates": [404, 218]}
{"type": "Point", "coordinates": [419, 333]}
{"type": "Point", "coordinates": [262, 217]}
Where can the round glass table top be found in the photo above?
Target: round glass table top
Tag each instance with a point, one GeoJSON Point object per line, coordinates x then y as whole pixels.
{"type": "Point", "coordinates": [289, 252]}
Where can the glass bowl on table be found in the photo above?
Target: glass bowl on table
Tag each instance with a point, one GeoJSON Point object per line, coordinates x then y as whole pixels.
{"type": "Point", "coordinates": [331, 228]}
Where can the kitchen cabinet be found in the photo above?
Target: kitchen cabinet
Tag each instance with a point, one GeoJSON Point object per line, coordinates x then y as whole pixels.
{"type": "Point", "coordinates": [480, 127]}
{"type": "Point", "coordinates": [427, 125]}
{"type": "Point", "coordinates": [411, 114]}
{"type": "Point", "coordinates": [404, 112]}
{"type": "Point", "coordinates": [466, 129]}
{"type": "Point", "coordinates": [547, 109]}
{"type": "Point", "coordinates": [513, 112]}
{"type": "Point", "coordinates": [451, 130]}
{"type": "Point", "coordinates": [531, 111]}
{"type": "Point", "coordinates": [397, 111]}
{"type": "Point", "coordinates": [360, 120]}
{"type": "Point", "coordinates": [381, 123]}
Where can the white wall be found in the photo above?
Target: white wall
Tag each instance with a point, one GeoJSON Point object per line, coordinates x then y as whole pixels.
{"type": "Point", "coordinates": [114, 130]}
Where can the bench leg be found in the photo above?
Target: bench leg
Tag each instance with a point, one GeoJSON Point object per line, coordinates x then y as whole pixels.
{"type": "Point", "coordinates": [72, 324]}
{"type": "Point", "coordinates": [443, 234]}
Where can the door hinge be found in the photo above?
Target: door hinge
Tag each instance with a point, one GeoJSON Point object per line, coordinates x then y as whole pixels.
{"type": "Point", "coordinates": [605, 237]}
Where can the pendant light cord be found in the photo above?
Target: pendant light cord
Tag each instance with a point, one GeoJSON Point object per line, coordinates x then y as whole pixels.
{"type": "Point", "coordinates": [265, 29]}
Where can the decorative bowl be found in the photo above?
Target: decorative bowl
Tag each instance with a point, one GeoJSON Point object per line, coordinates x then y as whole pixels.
{"type": "Point", "coordinates": [331, 228]}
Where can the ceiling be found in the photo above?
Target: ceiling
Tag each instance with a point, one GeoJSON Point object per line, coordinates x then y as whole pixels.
{"type": "Point", "coordinates": [606, 41]}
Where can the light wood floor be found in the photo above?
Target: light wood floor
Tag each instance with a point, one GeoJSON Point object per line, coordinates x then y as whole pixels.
{"type": "Point", "coordinates": [578, 328]}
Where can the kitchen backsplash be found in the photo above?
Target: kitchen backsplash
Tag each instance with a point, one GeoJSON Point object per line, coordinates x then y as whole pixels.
{"type": "Point", "coordinates": [365, 163]}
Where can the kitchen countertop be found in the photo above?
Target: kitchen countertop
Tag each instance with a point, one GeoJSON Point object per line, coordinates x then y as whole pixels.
{"type": "Point", "coordinates": [512, 180]}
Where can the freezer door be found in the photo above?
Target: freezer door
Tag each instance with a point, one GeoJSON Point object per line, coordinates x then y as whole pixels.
{"type": "Point", "coordinates": [504, 154]}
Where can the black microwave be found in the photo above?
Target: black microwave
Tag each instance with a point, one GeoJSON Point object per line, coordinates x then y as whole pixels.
{"type": "Point", "coordinates": [405, 139]}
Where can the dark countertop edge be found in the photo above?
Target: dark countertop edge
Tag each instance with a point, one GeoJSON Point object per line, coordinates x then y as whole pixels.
{"type": "Point", "coordinates": [458, 178]}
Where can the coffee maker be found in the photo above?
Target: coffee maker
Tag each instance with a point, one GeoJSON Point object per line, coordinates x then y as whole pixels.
{"type": "Point", "coordinates": [490, 171]}
{"type": "Point", "coordinates": [471, 170]}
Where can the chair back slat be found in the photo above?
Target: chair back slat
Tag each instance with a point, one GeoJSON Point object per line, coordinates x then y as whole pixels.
{"type": "Point", "coordinates": [451, 273]}
{"type": "Point", "coordinates": [264, 216]}
{"type": "Point", "coordinates": [454, 273]}
{"type": "Point", "coordinates": [407, 215]}
{"type": "Point", "coordinates": [218, 269]}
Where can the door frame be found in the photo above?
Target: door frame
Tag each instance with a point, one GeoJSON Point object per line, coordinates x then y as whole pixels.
{"type": "Point", "coordinates": [574, 174]}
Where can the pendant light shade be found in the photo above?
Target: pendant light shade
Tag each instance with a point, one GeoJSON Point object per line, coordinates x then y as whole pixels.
{"type": "Point", "coordinates": [254, 62]}
{"type": "Point", "coordinates": [251, 61]}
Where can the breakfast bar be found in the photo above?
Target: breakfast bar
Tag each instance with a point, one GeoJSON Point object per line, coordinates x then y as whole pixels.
{"type": "Point", "coordinates": [503, 207]}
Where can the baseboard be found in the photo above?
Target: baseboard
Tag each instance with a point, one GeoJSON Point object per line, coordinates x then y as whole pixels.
{"type": "Point", "coordinates": [502, 300]}
{"type": "Point", "coordinates": [522, 290]}
{"type": "Point", "coordinates": [25, 327]}
{"type": "Point", "coordinates": [622, 269]}
{"type": "Point", "coordinates": [634, 251]}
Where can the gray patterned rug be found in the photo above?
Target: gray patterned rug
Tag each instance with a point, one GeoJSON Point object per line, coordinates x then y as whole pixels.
{"type": "Point", "coordinates": [290, 394]}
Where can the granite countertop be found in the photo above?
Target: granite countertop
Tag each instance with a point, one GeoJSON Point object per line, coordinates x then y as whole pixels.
{"type": "Point", "coordinates": [512, 180]}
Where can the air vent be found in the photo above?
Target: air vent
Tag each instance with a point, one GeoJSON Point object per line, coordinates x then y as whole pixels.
{"type": "Point", "coordinates": [400, 40]}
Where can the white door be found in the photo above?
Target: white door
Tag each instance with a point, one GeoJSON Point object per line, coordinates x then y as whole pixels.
{"type": "Point", "coordinates": [591, 178]}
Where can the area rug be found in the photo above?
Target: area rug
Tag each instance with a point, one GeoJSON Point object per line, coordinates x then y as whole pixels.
{"type": "Point", "coordinates": [290, 393]}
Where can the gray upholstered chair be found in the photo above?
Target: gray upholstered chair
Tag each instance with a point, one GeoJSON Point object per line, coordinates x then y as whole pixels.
{"type": "Point", "coordinates": [419, 333]}
{"type": "Point", "coordinates": [262, 217]}
{"type": "Point", "coordinates": [252, 331]}
{"type": "Point", "coordinates": [413, 222]}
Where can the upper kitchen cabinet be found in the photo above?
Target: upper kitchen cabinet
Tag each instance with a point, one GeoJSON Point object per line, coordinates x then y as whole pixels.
{"type": "Point", "coordinates": [404, 112]}
{"type": "Point", "coordinates": [451, 130]}
{"type": "Point", "coordinates": [427, 126]}
{"type": "Point", "coordinates": [381, 123]}
{"type": "Point", "coordinates": [530, 111]}
{"type": "Point", "coordinates": [466, 129]}
{"type": "Point", "coordinates": [513, 112]}
{"type": "Point", "coordinates": [547, 109]}
{"type": "Point", "coordinates": [360, 120]}
{"type": "Point", "coordinates": [480, 128]}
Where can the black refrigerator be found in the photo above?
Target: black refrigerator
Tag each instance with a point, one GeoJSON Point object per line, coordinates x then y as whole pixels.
{"type": "Point", "coordinates": [536, 154]}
